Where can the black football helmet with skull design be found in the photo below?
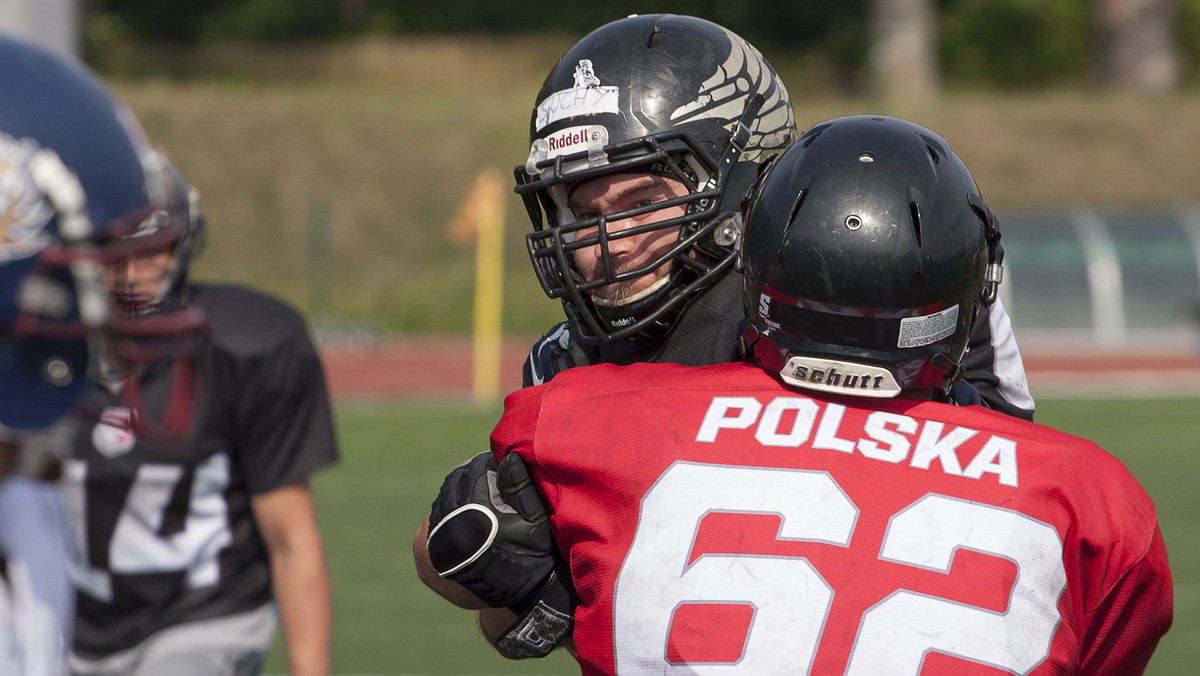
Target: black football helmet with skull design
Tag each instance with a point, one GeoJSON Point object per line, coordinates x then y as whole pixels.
{"type": "Point", "coordinates": [671, 95]}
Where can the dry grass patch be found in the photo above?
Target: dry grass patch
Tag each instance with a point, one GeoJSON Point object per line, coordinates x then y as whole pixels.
{"type": "Point", "coordinates": [370, 146]}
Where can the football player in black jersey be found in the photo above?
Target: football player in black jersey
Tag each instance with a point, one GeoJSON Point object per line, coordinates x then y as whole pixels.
{"type": "Point", "coordinates": [69, 173]}
{"type": "Point", "coordinates": [685, 105]}
{"type": "Point", "coordinates": [197, 529]}
{"type": "Point", "coordinates": [645, 140]}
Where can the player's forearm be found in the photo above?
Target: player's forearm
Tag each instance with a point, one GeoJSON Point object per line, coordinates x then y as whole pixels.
{"type": "Point", "coordinates": [493, 622]}
{"type": "Point", "coordinates": [300, 577]}
{"type": "Point", "coordinates": [302, 592]}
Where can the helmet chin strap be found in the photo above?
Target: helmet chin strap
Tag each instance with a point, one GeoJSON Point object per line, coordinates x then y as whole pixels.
{"type": "Point", "coordinates": [632, 298]}
{"type": "Point", "coordinates": [614, 316]}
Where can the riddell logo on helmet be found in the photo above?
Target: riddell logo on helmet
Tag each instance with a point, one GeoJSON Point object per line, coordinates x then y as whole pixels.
{"type": "Point", "coordinates": [566, 139]}
{"type": "Point", "coordinates": [840, 377]}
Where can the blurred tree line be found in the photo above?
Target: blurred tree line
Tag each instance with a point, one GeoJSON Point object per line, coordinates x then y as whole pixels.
{"type": "Point", "coordinates": [1009, 44]}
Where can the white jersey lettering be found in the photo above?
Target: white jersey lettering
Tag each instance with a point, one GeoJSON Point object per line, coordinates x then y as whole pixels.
{"type": "Point", "coordinates": [790, 422]}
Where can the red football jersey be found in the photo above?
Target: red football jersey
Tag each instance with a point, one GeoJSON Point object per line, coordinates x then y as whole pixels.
{"type": "Point", "coordinates": [717, 522]}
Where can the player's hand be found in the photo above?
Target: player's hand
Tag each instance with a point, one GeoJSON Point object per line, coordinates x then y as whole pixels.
{"type": "Point", "coordinates": [963, 393]}
{"type": "Point", "coordinates": [489, 532]}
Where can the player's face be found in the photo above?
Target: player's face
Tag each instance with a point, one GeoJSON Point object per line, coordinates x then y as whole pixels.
{"type": "Point", "coordinates": [135, 283]}
{"type": "Point", "coordinates": [619, 192]}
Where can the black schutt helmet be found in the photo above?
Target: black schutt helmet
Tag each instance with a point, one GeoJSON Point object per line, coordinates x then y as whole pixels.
{"type": "Point", "coordinates": [868, 251]}
{"type": "Point", "coordinates": [672, 95]}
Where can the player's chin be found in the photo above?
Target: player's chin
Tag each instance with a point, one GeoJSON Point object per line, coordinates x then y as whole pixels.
{"type": "Point", "coordinates": [620, 293]}
{"type": "Point", "coordinates": [624, 294]}
{"type": "Point", "coordinates": [131, 304]}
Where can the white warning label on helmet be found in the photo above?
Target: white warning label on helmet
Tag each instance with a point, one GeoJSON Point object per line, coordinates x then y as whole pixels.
{"type": "Point", "coordinates": [918, 331]}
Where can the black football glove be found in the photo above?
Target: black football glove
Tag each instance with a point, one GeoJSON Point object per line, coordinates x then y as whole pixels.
{"type": "Point", "coordinates": [489, 531]}
{"type": "Point", "coordinates": [548, 619]}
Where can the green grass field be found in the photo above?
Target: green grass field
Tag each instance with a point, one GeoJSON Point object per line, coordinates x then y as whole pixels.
{"type": "Point", "coordinates": [395, 456]}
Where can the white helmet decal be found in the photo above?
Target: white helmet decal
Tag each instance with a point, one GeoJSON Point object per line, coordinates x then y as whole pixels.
{"type": "Point", "coordinates": [723, 97]}
{"type": "Point", "coordinates": [24, 211]}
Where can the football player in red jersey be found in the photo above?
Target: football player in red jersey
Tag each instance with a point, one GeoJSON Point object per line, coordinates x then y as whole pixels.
{"type": "Point", "coordinates": [821, 509]}
{"type": "Point", "coordinates": [196, 519]}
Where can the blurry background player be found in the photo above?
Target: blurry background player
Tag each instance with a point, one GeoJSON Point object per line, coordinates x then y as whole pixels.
{"type": "Point", "coordinates": [645, 138]}
{"type": "Point", "coordinates": [198, 531]}
{"type": "Point", "coordinates": [822, 510]}
{"type": "Point", "coordinates": [69, 173]}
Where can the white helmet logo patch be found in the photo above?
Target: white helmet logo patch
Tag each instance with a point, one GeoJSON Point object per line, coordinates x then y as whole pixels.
{"type": "Point", "coordinates": [24, 212]}
{"type": "Point", "coordinates": [113, 435]}
{"type": "Point", "coordinates": [586, 97]}
{"type": "Point", "coordinates": [585, 75]}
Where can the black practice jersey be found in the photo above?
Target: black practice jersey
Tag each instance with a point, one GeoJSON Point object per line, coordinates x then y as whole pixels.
{"type": "Point", "coordinates": [707, 332]}
{"type": "Point", "coordinates": [165, 532]}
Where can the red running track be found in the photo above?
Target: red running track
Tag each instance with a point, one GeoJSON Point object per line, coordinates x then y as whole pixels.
{"type": "Point", "coordinates": [440, 368]}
